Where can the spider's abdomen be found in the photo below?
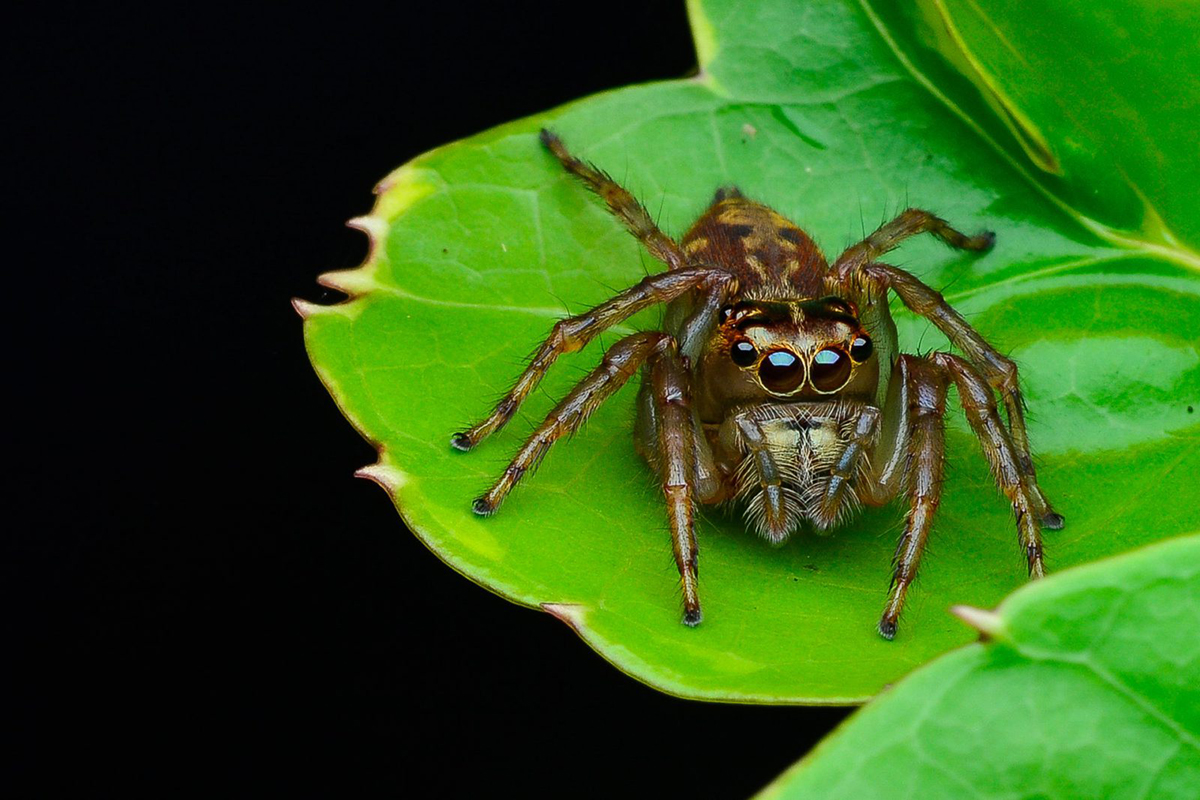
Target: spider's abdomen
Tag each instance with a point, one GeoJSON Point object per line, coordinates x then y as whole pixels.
{"type": "Point", "coordinates": [768, 253]}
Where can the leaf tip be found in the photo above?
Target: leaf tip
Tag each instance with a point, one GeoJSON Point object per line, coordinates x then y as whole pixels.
{"type": "Point", "coordinates": [989, 624]}
{"type": "Point", "coordinates": [374, 227]}
{"type": "Point", "coordinates": [389, 478]}
{"type": "Point", "coordinates": [571, 613]}
{"type": "Point", "coordinates": [305, 308]}
{"type": "Point", "coordinates": [352, 282]}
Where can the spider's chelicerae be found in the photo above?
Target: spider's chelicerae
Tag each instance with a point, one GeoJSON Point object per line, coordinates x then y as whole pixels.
{"type": "Point", "coordinates": [778, 382]}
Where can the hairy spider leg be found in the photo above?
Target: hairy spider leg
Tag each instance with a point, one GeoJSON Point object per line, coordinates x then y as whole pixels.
{"type": "Point", "coordinates": [571, 334]}
{"type": "Point", "coordinates": [922, 477]}
{"type": "Point", "coordinates": [980, 406]}
{"type": "Point", "coordinates": [676, 441]}
{"type": "Point", "coordinates": [999, 371]}
{"type": "Point", "coordinates": [620, 363]}
{"type": "Point", "coordinates": [708, 484]}
{"type": "Point", "coordinates": [669, 381]}
{"type": "Point", "coordinates": [924, 398]}
{"type": "Point", "coordinates": [909, 223]}
{"type": "Point", "coordinates": [620, 202]}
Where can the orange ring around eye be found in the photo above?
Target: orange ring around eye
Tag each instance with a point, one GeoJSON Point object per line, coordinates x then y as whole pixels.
{"type": "Point", "coordinates": [830, 370]}
{"type": "Point", "coordinates": [781, 372]}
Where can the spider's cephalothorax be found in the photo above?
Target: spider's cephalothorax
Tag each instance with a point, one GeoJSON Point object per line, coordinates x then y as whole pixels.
{"type": "Point", "coordinates": [777, 382]}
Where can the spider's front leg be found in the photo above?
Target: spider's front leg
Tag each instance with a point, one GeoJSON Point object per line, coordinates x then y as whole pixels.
{"type": "Point", "coordinates": [999, 371]}
{"type": "Point", "coordinates": [670, 386]}
{"type": "Point", "coordinates": [620, 363]}
{"type": "Point", "coordinates": [571, 334]}
{"type": "Point", "coordinates": [923, 451]}
{"type": "Point", "coordinates": [914, 459]}
{"type": "Point", "coordinates": [675, 445]}
{"type": "Point", "coordinates": [1002, 455]}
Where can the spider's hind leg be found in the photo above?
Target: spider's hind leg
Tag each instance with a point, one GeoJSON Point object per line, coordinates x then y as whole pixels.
{"type": "Point", "coordinates": [620, 202]}
{"type": "Point", "coordinates": [909, 223]}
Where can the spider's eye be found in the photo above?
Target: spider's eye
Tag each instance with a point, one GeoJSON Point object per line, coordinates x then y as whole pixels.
{"type": "Point", "coordinates": [830, 370]}
{"type": "Point", "coordinates": [861, 348]}
{"type": "Point", "coordinates": [743, 353]}
{"type": "Point", "coordinates": [839, 305]}
{"type": "Point", "coordinates": [781, 372]}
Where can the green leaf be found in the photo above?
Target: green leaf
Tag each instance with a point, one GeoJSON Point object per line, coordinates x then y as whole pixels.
{"type": "Point", "coordinates": [477, 247]}
{"type": "Point", "coordinates": [1099, 100]}
{"type": "Point", "coordinates": [1089, 687]}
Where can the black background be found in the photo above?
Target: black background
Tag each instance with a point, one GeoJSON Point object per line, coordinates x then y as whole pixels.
{"type": "Point", "coordinates": [200, 591]}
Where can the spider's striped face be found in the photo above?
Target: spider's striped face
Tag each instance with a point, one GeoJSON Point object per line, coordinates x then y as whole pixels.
{"type": "Point", "coordinates": [805, 350]}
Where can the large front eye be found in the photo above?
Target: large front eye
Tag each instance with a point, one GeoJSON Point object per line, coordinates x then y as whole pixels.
{"type": "Point", "coordinates": [830, 370]}
{"type": "Point", "coordinates": [743, 353]}
{"type": "Point", "coordinates": [781, 372]}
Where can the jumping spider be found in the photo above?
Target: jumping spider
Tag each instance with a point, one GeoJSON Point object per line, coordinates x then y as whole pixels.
{"type": "Point", "coordinates": [778, 382]}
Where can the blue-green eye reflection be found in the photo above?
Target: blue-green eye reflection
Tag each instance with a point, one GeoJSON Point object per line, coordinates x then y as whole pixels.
{"type": "Point", "coordinates": [830, 370]}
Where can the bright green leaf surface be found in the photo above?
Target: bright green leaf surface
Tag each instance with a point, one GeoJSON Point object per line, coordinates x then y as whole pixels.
{"type": "Point", "coordinates": [813, 108]}
{"type": "Point", "coordinates": [1100, 99]}
{"type": "Point", "coordinates": [1091, 688]}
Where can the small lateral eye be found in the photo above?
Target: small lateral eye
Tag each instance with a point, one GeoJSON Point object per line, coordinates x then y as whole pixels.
{"type": "Point", "coordinates": [743, 353]}
{"type": "Point", "coordinates": [861, 348]}
{"type": "Point", "coordinates": [839, 305]}
{"type": "Point", "coordinates": [830, 370]}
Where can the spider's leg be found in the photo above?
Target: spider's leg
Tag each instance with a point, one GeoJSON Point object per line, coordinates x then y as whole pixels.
{"type": "Point", "coordinates": [776, 509]}
{"type": "Point", "coordinates": [620, 202]}
{"type": "Point", "coordinates": [885, 475]}
{"type": "Point", "coordinates": [925, 457]}
{"type": "Point", "coordinates": [676, 458]}
{"type": "Point", "coordinates": [847, 467]}
{"type": "Point", "coordinates": [621, 361]}
{"type": "Point", "coordinates": [571, 334]}
{"type": "Point", "coordinates": [980, 407]}
{"type": "Point", "coordinates": [1000, 372]}
{"type": "Point", "coordinates": [708, 483]}
{"type": "Point", "coordinates": [911, 222]}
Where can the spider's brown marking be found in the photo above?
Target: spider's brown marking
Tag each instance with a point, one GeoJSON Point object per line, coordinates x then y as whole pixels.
{"type": "Point", "coordinates": [772, 256]}
{"type": "Point", "coordinates": [777, 382]}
